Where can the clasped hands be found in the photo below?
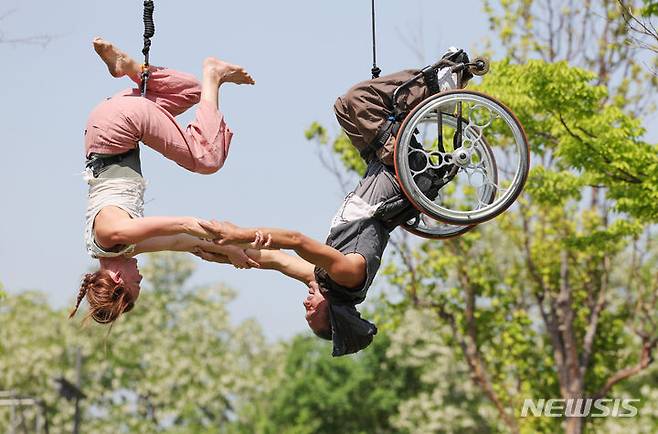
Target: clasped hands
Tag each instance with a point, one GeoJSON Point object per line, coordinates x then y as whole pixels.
{"type": "Point", "coordinates": [233, 241]}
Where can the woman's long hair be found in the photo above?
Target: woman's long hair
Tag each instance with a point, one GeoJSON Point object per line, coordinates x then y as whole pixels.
{"type": "Point", "coordinates": [107, 299]}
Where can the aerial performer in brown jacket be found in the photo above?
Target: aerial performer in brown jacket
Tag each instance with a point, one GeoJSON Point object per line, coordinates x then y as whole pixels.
{"type": "Point", "coordinates": [340, 271]}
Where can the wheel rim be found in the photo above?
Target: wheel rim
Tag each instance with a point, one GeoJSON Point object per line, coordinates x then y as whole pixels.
{"type": "Point", "coordinates": [489, 131]}
{"type": "Point", "coordinates": [427, 227]}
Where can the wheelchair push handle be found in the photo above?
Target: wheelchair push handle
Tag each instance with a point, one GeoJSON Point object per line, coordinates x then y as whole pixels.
{"type": "Point", "coordinates": [479, 66]}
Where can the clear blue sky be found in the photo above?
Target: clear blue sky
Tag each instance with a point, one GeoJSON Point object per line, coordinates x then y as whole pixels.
{"type": "Point", "coordinates": [302, 53]}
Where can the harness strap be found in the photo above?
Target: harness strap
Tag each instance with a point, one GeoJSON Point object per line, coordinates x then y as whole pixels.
{"type": "Point", "coordinates": [431, 80]}
{"type": "Point", "coordinates": [99, 162]}
{"type": "Point", "coordinates": [384, 133]}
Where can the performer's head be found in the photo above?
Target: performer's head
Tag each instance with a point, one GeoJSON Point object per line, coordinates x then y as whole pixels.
{"type": "Point", "coordinates": [112, 290]}
{"type": "Point", "coordinates": [317, 312]}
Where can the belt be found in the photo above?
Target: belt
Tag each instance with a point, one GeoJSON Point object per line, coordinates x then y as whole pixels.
{"type": "Point", "coordinates": [99, 162]}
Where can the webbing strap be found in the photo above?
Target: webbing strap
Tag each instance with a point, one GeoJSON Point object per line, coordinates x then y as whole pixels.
{"type": "Point", "coordinates": [98, 162]}
{"type": "Point", "coordinates": [431, 80]}
{"type": "Point", "coordinates": [384, 133]}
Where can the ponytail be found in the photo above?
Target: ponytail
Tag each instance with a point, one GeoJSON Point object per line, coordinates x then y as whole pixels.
{"type": "Point", "coordinates": [86, 282]}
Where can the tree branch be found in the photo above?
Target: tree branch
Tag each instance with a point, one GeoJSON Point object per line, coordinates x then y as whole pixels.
{"type": "Point", "coordinates": [595, 313]}
{"type": "Point", "coordinates": [646, 357]}
{"type": "Point", "coordinates": [550, 321]}
{"type": "Point", "coordinates": [632, 179]}
{"type": "Point", "coordinates": [470, 347]}
{"type": "Point", "coordinates": [565, 314]}
{"type": "Point", "coordinates": [402, 248]}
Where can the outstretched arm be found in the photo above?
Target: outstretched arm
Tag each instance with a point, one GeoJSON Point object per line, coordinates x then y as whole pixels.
{"type": "Point", "coordinates": [291, 266]}
{"type": "Point", "coordinates": [346, 270]}
{"type": "Point", "coordinates": [187, 243]}
{"type": "Point", "coordinates": [113, 226]}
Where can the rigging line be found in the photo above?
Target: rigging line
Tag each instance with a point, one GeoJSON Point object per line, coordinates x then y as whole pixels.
{"type": "Point", "coordinates": [375, 70]}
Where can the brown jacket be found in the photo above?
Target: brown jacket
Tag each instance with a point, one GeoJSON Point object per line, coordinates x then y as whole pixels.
{"type": "Point", "coordinates": [366, 106]}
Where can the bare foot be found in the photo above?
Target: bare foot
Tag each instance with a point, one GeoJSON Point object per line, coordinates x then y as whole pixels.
{"type": "Point", "coordinates": [222, 72]}
{"type": "Point", "coordinates": [118, 62]}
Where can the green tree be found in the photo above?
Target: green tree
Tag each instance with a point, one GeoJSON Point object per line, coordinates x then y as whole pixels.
{"type": "Point", "coordinates": [313, 393]}
{"type": "Point", "coordinates": [448, 402]}
{"type": "Point", "coordinates": [174, 364]}
{"type": "Point", "coordinates": [593, 35]}
{"type": "Point", "coordinates": [557, 297]}
{"type": "Point", "coordinates": [546, 302]}
{"type": "Point", "coordinates": [641, 24]}
{"type": "Point", "coordinates": [33, 351]}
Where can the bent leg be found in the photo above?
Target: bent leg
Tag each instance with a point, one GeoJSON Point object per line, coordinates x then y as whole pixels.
{"type": "Point", "coordinates": [362, 112]}
{"type": "Point", "coordinates": [364, 109]}
{"type": "Point", "coordinates": [202, 147]}
{"type": "Point", "coordinates": [172, 90]}
{"type": "Point", "coordinates": [118, 124]}
{"type": "Point", "coordinates": [345, 117]}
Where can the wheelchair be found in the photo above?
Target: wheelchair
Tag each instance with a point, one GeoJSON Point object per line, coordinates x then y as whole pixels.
{"type": "Point", "coordinates": [472, 149]}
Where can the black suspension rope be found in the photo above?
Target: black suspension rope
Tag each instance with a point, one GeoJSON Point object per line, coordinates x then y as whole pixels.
{"type": "Point", "coordinates": [375, 70]}
{"type": "Point", "coordinates": [149, 31]}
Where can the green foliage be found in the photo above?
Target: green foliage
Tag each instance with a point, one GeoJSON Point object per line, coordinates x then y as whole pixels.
{"type": "Point", "coordinates": [173, 364]}
{"type": "Point", "coordinates": [500, 290]}
{"type": "Point", "coordinates": [553, 188]}
{"type": "Point", "coordinates": [650, 8]}
{"type": "Point", "coordinates": [448, 402]}
{"type": "Point", "coordinates": [593, 35]}
{"type": "Point", "coordinates": [34, 342]}
{"type": "Point", "coordinates": [569, 119]}
{"type": "Point", "coordinates": [315, 393]}
{"type": "Point", "coordinates": [341, 146]}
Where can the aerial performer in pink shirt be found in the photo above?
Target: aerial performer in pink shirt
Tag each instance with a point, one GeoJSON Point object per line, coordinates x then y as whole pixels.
{"type": "Point", "coordinates": [116, 229]}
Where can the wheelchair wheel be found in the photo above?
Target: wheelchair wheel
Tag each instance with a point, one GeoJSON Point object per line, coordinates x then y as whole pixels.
{"type": "Point", "coordinates": [426, 227]}
{"type": "Point", "coordinates": [461, 158]}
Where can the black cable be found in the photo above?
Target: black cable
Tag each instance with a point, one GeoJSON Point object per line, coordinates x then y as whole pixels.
{"type": "Point", "coordinates": [375, 70]}
{"type": "Point", "coordinates": [149, 31]}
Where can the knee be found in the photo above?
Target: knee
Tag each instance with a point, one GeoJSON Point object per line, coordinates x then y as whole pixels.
{"type": "Point", "coordinates": [353, 96]}
{"type": "Point", "coordinates": [343, 104]}
{"type": "Point", "coordinates": [340, 107]}
{"type": "Point", "coordinates": [192, 96]}
{"type": "Point", "coordinates": [208, 166]}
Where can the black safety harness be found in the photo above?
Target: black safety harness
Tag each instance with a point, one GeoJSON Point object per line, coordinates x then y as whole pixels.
{"type": "Point", "coordinates": [395, 117]}
{"type": "Point", "coordinates": [98, 163]}
{"type": "Point", "coordinates": [394, 120]}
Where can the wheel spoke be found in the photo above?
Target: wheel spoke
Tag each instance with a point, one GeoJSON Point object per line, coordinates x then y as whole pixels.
{"type": "Point", "coordinates": [486, 147]}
